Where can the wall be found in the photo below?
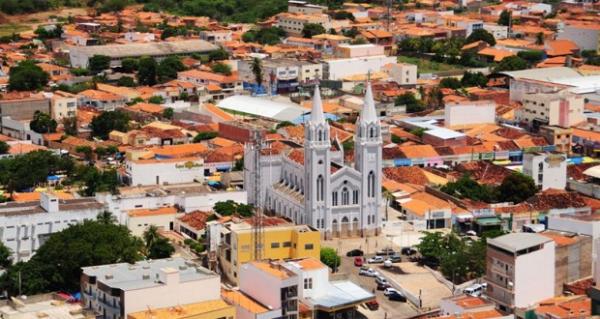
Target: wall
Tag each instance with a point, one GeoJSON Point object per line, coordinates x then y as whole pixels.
{"type": "Point", "coordinates": [167, 171]}
{"type": "Point", "coordinates": [469, 113]}
{"type": "Point", "coordinates": [533, 283]}
{"type": "Point", "coordinates": [586, 39]}
{"type": "Point", "coordinates": [138, 224]}
{"type": "Point", "coordinates": [23, 109]}
{"type": "Point", "coordinates": [341, 68]}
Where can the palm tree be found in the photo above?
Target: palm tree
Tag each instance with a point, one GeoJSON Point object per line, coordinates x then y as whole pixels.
{"type": "Point", "coordinates": [388, 196]}
{"type": "Point", "coordinates": [257, 71]}
{"type": "Point", "coordinates": [151, 236]}
{"type": "Point", "coordinates": [106, 218]}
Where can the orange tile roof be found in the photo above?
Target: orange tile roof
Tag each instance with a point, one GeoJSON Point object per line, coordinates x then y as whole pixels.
{"type": "Point", "coordinates": [590, 135]}
{"type": "Point", "coordinates": [310, 264]}
{"type": "Point", "coordinates": [152, 212]}
{"type": "Point", "coordinates": [239, 299]}
{"type": "Point", "coordinates": [210, 76]}
{"type": "Point", "coordinates": [100, 95]}
{"type": "Point", "coordinates": [147, 107]}
{"type": "Point", "coordinates": [35, 196]}
{"type": "Point", "coordinates": [486, 314]}
{"type": "Point", "coordinates": [418, 151]}
{"type": "Point", "coordinates": [559, 239]}
{"type": "Point", "coordinates": [498, 54]}
{"type": "Point", "coordinates": [180, 150]}
{"type": "Point", "coordinates": [272, 270]}
{"type": "Point", "coordinates": [24, 148]}
{"type": "Point", "coordinates": [213, 109]}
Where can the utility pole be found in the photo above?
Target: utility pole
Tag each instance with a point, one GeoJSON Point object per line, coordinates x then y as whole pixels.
{"type": "Point", "coordinates": [257, 226]}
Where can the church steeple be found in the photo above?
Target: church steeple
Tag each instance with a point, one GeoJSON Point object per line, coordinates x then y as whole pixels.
{"type": "Point", "coordinates": [316, 114]}
{"type": "Point", "coordinates": [368, 114]}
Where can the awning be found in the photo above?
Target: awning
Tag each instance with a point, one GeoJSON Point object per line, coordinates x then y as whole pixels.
{"type": "Point", "coordinates": [488, 221]}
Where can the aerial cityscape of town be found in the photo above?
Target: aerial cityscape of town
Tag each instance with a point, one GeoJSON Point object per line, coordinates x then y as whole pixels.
{"type": "Point", "coordinates": [299, 159]}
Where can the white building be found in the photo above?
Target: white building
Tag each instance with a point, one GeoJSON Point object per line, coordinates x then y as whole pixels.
{"type": "Point", "coordinates": [139, 36]}
{"type": "Point", "coordinates": [138, 220]}
{"type": "Point", "coordinates": [295, 6]}
{"type": "Point", "coordinates": [164, 171]}
{"type": "Point", "coordinates": [560, 108]}
{"type": "Point", "coordinates": [312, 185]}
{"type": "Point", "coordinates": [514, 271]}
{"type": "Point", "coordinates": [338, 69]}
{"type": "Point", "coordinates": [500, 32]}
{"type": "Point", "coordinates": [469, 113]}
{"type": "Point", "coordinates": [548, 170]}
{"type": "Point", "coordinates": [63, 104]}
{"type": "Point", "coordinates": [25, 226]}
{"type": "Point", "coordinates": [216, 36]}
{"type": "Point", "coordinates": [402, 73]}
{"type": "Point", "coordinates": [116, 290]}
{"type": "Point", "coordinates": [586, 36]}
{"type": "Point", "coordinates": [293, 23]}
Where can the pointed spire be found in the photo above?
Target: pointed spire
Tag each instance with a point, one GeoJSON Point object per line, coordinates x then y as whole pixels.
{"type": "Point", "coordinates": [368, 113]}
{"type": "Point", "coordinates": [316, 114]}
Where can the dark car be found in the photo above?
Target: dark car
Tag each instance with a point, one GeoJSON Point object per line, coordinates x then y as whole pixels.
{"type": "Point", "coordinates": [397, 296]}
{"type": "Point", "coordinates": [408, 251]}
{"type": "Point", "coordinates": [385, 252]}
{"type": "Point", "coordinates": [383, 286]}
{"type": "Point", "coordinates": [372, 305]}
{"type": "Point", "coordinates": [355, 253]}
{"type": "Point", "coordinates": [395, 258]}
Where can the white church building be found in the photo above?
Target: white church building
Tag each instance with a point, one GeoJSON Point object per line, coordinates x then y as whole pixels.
{"type": "Point", "coordinates": [310, 184]}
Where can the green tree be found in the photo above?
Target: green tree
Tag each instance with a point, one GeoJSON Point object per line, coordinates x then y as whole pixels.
{"type": "Point", "coordinates": [343, 15]}
{"type": "Point", "coordinates": [265, 36]}
{"type": "Point", "coordinates": [147, 71]}
{"type": "Point", "coordinates": [284, 124]}
{"type": "Point", "coordinates": [168, 68]}
{"type": "Point", "coordinates": [466, 187]}
{"type": "Point", "coordinates": [330, 258]}
{"type": "Point", "coordinates": [129, 65]}
{"type": "Point", "coordinates": [531, 56]}
{"type": "Point", "coordinates": [511, 63]}
{"type": "Point", "coordinates": [57, 263]}
{"type": "Point", "coordinates": [156, 99]}
{"type": "Point", "coordinates": [45, 32]}
{"type": "Point", "coordinates": [70, 125]}
{"type": "Point", "coordinates": [218, 55]}
{"type": "Point", "coordinates": [221, 68]}
{"type": "Point", "coordinates": [257, 71]}
{"type": "Point", "coordinates": [32, 169]}
{"type": "Point", "coordinates": [539, 38]}
{"type": "Point", "coordinates": [516, 188]}
{"type": "Point", "coordinates": [229, 207]}
{"type": "Point", "coordinates": [312, 29]}
{"type": "Point", "coordinates": [470, 79]}
{"type": "Point", "coordinates": [42, 123]}
{"type": "Point", "coordinates": [93, 180]}
{"type": "Point", "coordinates": [450, 83]}
{"type": "Point", "coordinates": [481, 35]}
{"type": "Point", "coordinates": [409, 100]}
{"type": "Point", "coordinates": [126, 81]}
{"type": "Point", "coordinates": [98, 63]}
{"type": "Point", "coordinates": [168, 113]}
{"type": "Point", "coordinates": [109, 121]}
{"type": "Point", "coordinates": [27, 76]}
{"type": "Point", "coordinates": [5, 256]}
{"type": "Point", "coordinates": [106, 217]}
{"type": "Point", "coordinates": [505, 17]}
{"type": "Point", "coordinates": [203, 136]}
{"type": "Point", "coordinates": [4, 147]}
{"type": "Point", "coordinates": [87, 151]}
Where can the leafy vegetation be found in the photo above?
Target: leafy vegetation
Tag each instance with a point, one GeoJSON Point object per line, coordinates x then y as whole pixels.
{"type": "Point", "coordinates": [42, 123]}
{"type": "Point", "coordinates": [56, 266]}
{"type": "Point", "coordinates": [109, 121]}
{"type": "Point", "coordinates": [26, 171]}
{"type": "Point", "coordinates": [221, 68]}
{"type": "Point", "coordinates": [229, 207]}
{"type": "Point", "coordinates": [511, 63]}
{"type": "Point", "coordinates": [312, 29]}
{"type": "Point", "coordinates": [270, 36]}
{"type": "Point", "coordinates": [27, 76]}
{"type": "Point", "coordinates": [411, 102]}
{"type": "Point", "coordinates": [514, 188]}
{"type": "Point", "coordinates": [203, 136]}
{"type": "Point", "coordinates": [330, 257]}
{"type": "Point", "coordinates": [481, 35]}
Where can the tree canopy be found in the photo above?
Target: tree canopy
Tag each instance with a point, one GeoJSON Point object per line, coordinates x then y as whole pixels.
{"type": "Point", "coordinates": [109, 121]}
{"type": "Point", "coordinates": [511, 63]}
{"type": "Point", "coordinates": [56, 266]}
{"type": "Point", "coordinates": [330, 257]}
{"type": "Point", "coordinates": [98, 63]}
{"type": "Point", "coordinates": [481, 35]}
{"type": "Point", "coordinates": [167, 68]}
{"type": "Point", "coordinates": [470, 79]}
{"type": "Point", "coordinates": [516, 188]}
{"type": "Point", "coordinates": [27, 76]}
{"type": "Point", "coordinates": [270, 36]}
{"type": "Point", "coordinates": [410, 101]}
{"type": "Point", "coordinates": [312, 29]}
{"type": "Point", "coordinates": [229, 207]}
{"type": "Point", "coordinates": [42, 123]}
{"type": "Point", "coordinates": [32, 169]}
{"type": "Point", "coordinates": [147, 71]}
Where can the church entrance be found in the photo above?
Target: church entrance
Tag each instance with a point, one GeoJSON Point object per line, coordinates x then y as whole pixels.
{"type": "Point", "coordinates": [346, 229]}
{"type": "Point", "coordinates": [335, 230]}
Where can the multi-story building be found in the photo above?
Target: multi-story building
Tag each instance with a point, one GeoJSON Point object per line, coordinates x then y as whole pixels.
{"type": "Point", "coordinates": [282, 75]}
{"type": "Point", "coordinates": [138, 220]}
{"type": "Point", "coordinates": [513, 273]}
{"type": "Point", "coordinates": [23, 105]}
{"type": "Point", "coordinates": [216, 36]}
{"type": "Point", "coordinates": [338, 69]}
{"type": "Point", "coordinates": [311, 186]}
{"type": "Point", "coordinates": [163, 171]}
{"type": "Point", "coordinates": [212, 309]}
{"type": "Point", "coordinates": [402, 73]}
{"type": "Point", "coordinates": [293, 23]}
{"type": "Point", "coordinates": [228, 85]}
{"type": "Point", "coordinates": [559, 137]}
{"type": "Point", "coordinates": [499, 32]}
{"type": "Point", "coordinates": [117, 290]}
{"type": "Point", "coordinates": [282, 240]}
{"type": "Point", "coordinates": [548, 170]}
{"type": "Point", "coordinates": [25, 226]}
{"type": "Point", "coordinates": [63, 104]}
{"type": "Point", "coordinates": [295, 6]}
{"type": "Point", "coordinates": [560, 108]}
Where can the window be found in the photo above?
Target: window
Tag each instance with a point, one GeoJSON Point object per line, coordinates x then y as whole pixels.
{"type": "Point", "coordinates": [307, 283]}
{"type": "Point", "coordinates": [355, 197]}
{"type": "Point", "coordinates": [274, 245]}
{"type": "Point", "coordinates": [287, 244]}
{"type": "Point", "coordinates": [334, 199]}
{"type": "Point", "coordinates": [309, 246]}
{"type": "Point", "coordinates": [320, 188]}
{"type": "Point", "coordinates": [371, 184]}
{"type": "Point", "coordinates": [345, 196]}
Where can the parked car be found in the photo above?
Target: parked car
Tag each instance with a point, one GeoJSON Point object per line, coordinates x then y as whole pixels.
{"type": "Point", "coordinates": [368, 272]}
{"type": "Point", "coordinates": [387, 263]}
{"type": "Point", "coordinates": [385, 252]}
{"type": "Point", "coordinates": [408, 251]}
{"type": "Point", "coordinates": [389, 291]}
{"type": "Point", "coordinates": [397, 296]}
{"type": "Point", "coordinates": [355, 253]}
{"type": "Point", "coordinates": [375, 260]}
{"type": "Point", "coordinates": [372, 305]}
{"type": "Point", "coordinates": [471, 233]}
{"type": "Point", "coordinates": [383, 286]}
{"type": "Point", "coordinates": [395, 258]}
{"type": "Point", "coordinates": [380, 279]}
{"type": "Point", "coordinates": [358, 261]}
{"type": "Point", "coordinates": [475, 290]}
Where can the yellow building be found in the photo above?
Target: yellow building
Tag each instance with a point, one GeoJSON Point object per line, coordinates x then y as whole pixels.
{"type": "Point", "coordinates": [282, 240]}
{"type": "Point", "coordinates": [212, 309]}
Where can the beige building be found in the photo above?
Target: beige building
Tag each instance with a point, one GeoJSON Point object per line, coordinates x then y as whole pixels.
{"type": "Point", "coordinates": [559, 108]}
{"type": "Point", "coordinates": [63, 104]}
{"type": "Point", "coordinates": [293, 23]}
{"type": "Point", "coordinates": [138, 220]}
{"type": "Point", "coordinates": [559, 137]}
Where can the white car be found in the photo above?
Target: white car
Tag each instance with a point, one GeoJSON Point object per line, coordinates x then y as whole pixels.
{"type": "Point", "coordinates": [368, 272]}
{"type": "Point", "coordinates": [389, 291]}
{"type": "Point", "coordinates": [375, 260]}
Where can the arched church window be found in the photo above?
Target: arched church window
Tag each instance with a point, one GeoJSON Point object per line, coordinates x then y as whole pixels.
{"type": "Point", "coordinates": [320, 188]}
{"type": "Point", "coordinates": [371, 184]}
{"type": "Point", "coordinates": [345, 196]}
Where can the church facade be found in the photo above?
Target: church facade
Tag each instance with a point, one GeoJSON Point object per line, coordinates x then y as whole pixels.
{"type": "Point", "coordinates": [312, 185]}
